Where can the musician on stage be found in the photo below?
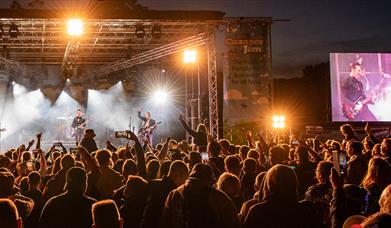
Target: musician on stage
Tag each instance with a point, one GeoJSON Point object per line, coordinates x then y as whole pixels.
{"type": "Point", "coordinates": [147, 127]}
{"type": "Point", "coordinates": [353, 93]}
{"type": "Point", "coordinates": [78, 125]}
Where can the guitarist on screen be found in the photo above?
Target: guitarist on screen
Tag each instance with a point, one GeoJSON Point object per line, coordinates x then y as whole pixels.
{"type": "Point", "coordinates": [78, 125]}
{"type": "Point", "coordinates": [147, 127]}
{"type": "Point", "coordinates": [355, 102]}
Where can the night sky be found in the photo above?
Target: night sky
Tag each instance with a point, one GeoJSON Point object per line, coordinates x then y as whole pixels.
{"type": "Point", "coordinates": [317, 27]}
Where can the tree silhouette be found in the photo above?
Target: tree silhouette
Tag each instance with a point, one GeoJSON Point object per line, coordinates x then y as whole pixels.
{"type": "Point", "coordinates": [15, 5]}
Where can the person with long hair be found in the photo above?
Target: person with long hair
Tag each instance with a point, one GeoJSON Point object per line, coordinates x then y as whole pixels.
{"type": "Point", "coordinates": [376, 180]}
{"type": "Point", "coordinates": [200, 135]}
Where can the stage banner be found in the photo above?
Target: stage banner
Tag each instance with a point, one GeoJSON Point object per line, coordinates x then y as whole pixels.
{"type": "Point", "coordinates": [247, 76]}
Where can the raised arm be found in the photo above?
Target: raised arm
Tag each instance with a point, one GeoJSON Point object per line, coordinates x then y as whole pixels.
{"type": "Point", "coordinates": [42, 161]}
{"type": "Point", "coordinates": [31, 143]}
{"type": "Point", "coordinates": [262, 144]}
{"type": "Point", "coordinates": [90, 162]}
{"type": "Point", "coordinates": [313, 153]}
{"type": "Point", "coordinates": [249, 139]}
{"type": "Point", "coordinates": [140, 116]}
{"type": "Point", "coordinates": [187, 128]}
{"type": "Point", "coordinates": [163, 152]}
{"type": "Point", "coordinates": [140, 160]}
{"type": "Point", "coordinates": [369, 133]}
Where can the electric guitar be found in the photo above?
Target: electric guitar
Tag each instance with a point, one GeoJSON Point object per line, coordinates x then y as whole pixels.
{"type": "Point", "coordinates": [81, 126]}
{"type": "Point", "coordinates": [146, 131]}
{"type": "Point", "coordinates": [350, 111]}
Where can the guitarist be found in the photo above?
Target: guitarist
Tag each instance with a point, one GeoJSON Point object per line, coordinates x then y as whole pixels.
{"type": "Point", "coordinates": [78, 125]}
{"type": "Point", "coordinates": [148, 126]}
{"type": "Point", "coordinates": [353, 93]}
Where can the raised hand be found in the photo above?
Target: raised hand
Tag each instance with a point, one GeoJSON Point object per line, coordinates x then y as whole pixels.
{"type": "Point", "coordinates": [39, 135]}
{"type": "Point", "coordinates": [181, 117]}
{"type": "Point", "coordinates": [335, 179]}
{"type": "Point", "coordinates": [368, 129]}
{"type": "Point", "coordinates": [249, 136]}
{"type": "Point", "coordinates": [132, 136]}
{"type": "Point", "coordinates": [31, 143]}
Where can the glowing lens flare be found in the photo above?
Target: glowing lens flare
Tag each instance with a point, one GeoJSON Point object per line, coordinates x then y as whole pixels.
{"type": "Point", "coordinates": [75, 27]}
{"type": "Point", "coordinates": [189, 56]}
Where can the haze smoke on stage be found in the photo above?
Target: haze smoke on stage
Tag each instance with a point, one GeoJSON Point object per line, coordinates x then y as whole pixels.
{"type": "Point", "coordinates": [21, 109]}
{"type": "Point", "coordinates": [109, 108]}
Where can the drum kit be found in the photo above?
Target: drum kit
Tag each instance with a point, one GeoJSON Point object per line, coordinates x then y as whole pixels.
{"type": "Point", "coordinates": [63, 127]}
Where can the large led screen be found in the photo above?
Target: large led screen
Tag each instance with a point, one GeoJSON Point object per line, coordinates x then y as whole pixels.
{"type": "Point", "coordinates": [360, 87]}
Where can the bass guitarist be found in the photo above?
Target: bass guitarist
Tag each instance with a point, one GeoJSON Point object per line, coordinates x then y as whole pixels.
{"type": "Point", "coordinates": [147, 127]}
{"type": "Point", "coordinates": [355, 102]}
{"type": "Point", "coordinates": [78, 125]}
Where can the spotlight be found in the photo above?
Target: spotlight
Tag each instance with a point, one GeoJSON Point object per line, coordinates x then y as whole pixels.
{"type": "Point", "coordinates": [140, 31]}
{"type": "Point", "coordinates": [189, 56]}
{"type": "Point", "coordinates": [278, 121]}
{"type": "Point", "coordinates": [68, 80]}
{"type": "Point", "coordinates": [75, 27]}
{"type": "Point", "coordinates": [160, 97]}
{"type": "Point", "coordinates": [163, 71]}
{"type": "Point", "coordinates": [156, 31]}
{"type": "Point", "coordinates": [13, 31]}
{"type": "Point", "coordinates": [13, 82]}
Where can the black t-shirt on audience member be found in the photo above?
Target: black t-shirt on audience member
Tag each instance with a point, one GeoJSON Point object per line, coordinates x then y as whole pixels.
{"type": "Point", "coordinates": [67, 210]}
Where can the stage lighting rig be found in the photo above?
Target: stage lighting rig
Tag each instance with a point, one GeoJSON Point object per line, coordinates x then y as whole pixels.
{"type": "Point", "coordinates": [140, 31]}
{"type": "Point", "coordinates": [13, 31]}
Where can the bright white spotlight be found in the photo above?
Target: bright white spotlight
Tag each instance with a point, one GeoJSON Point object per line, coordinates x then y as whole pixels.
{"type": "Point", "coordinates": [278, 121]}
{"type": "Point", "coordinates": [68, 80]}
{"type": "Point", "coordinates": [13, 82]}
{"type": "Point", "coordinates": [75, 27]}
{"type": "Point", "coordinates": [160, 97]}
{"type": "Point", "coordinates": [189, 56]}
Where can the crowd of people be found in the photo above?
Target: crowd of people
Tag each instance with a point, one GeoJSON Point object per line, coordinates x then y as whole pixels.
{"type": "Point", "coordinates": [209, 183]}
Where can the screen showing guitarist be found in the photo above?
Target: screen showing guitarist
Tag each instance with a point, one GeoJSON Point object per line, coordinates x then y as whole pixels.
{"type": "Point", "coordinates": [147, 127]}
{"type": "Point", "coordinates": [78, 125]}
{"type": "Point", "coordinates": [355, 101]}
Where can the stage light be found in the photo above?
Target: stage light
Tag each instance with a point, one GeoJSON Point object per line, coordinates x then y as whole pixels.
{"type": "Point", "coordinates": [68, 80]}
{"type": "Point", "coordinates": [189, 56]}
{"type": "Point", "coordinates": [140, 31]}
{"type": "Point", "coordinates": [163, 71]}
{"type": "Point", "coordinates": [13, 31]}
{"type": "Point", "coordinates": [160, 97]}
{"type": "Point", "coordinates": [75, 27]}
{"type": "Point", "coordinates": [278, 121]}
{"type": "Point", "coordinates": [13, 82]}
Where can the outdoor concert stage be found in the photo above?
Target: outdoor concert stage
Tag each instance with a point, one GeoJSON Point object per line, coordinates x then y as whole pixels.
{"type": "Point", "coordinates": [110, 61]}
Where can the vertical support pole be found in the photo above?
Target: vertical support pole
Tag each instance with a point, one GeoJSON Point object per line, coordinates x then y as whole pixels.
{"type": "Point", "coordinates": [212, 84]}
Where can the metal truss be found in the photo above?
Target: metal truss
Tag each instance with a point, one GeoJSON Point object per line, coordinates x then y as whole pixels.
{"type": "Point", "coordinates": [70, 56]}
{"type": "Point", "coordinates": [212, 84]}
{"type": "Point", "coordinates": [153, 54]}
{"type": "Point", "coordinates": [44, 41]}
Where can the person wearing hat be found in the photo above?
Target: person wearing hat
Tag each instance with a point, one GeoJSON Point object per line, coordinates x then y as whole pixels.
{"type": "Point", "coordinates": [88, 141]}
{"type": "Point", "coordinates": [72, 208]}
{"type": "Point", "coordinates": [197, 204]}
{"type": "Point", "coordinates": [9, 190]}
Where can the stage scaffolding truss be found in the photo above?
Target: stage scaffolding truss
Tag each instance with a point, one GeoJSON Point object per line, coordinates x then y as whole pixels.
{"type": "Point", "coordinates": [112, 44]}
